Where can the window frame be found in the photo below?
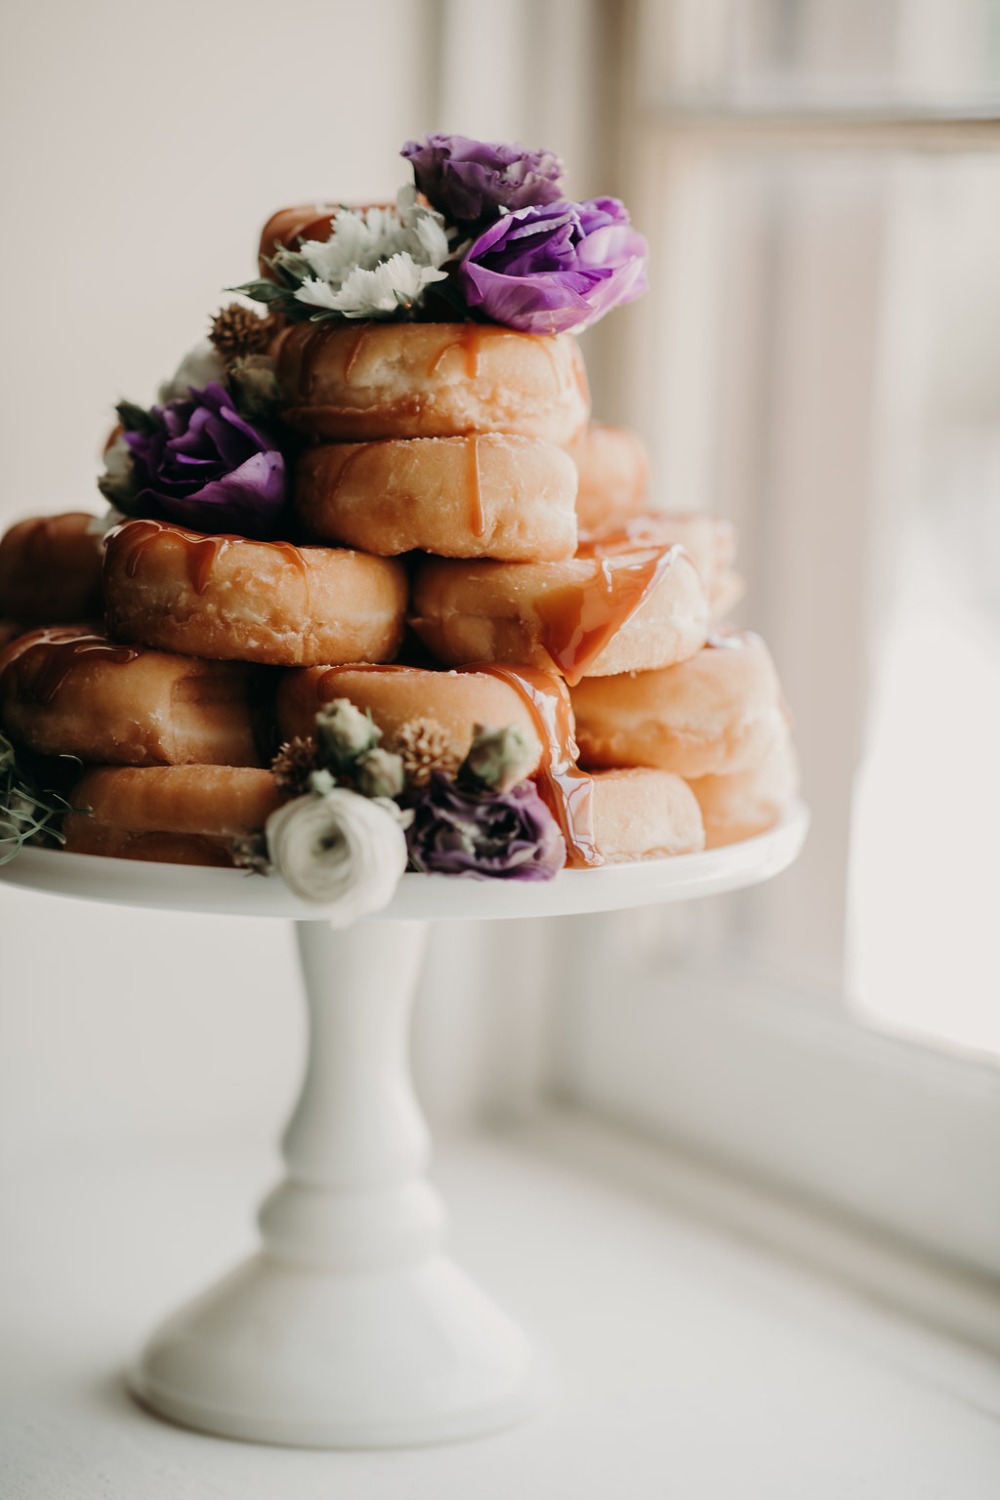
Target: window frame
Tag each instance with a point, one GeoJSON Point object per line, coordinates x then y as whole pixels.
{"type": "Point", "coordinates": [727, 1030]}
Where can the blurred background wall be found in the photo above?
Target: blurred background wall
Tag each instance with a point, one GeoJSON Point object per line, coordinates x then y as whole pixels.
{"type": "Point", "coordinates": [145, 146]}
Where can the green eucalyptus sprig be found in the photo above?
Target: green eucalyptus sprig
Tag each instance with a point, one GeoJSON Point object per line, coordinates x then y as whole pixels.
{"type": "Point", "coordinates": [28, 813]}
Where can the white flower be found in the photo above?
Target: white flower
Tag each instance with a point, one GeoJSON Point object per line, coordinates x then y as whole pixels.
{"type": "Point", "coordinates": [432, 239]}
{"type": "Point", "coordinates": [117, 483]}
{"type": "Point", "coordinates": [375, 260]}
{"type": "Point", "coordinates": [198, 368]}
{"type": "Point", "coordinates": [118, 461]}
{"type": "Point", "coordinates": [316, 293]}
{"type": "Point", "coordinates": [396, 282]}
{"type": "Point", "coordinates": [341, 851]}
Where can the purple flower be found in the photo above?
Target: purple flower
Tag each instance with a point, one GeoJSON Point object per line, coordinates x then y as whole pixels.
{"type": "Point", "coordinates": [202, 464]}
{"type": "Point", "coordinates": [472, 182]}
{"type": "Point", "coordinates": [487, 835]}
{"type": "Point", "coordinates": [555, 268]}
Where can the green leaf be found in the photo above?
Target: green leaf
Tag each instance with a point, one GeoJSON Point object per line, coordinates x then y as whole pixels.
{"type": "Point", "coordinates": [135, 418]}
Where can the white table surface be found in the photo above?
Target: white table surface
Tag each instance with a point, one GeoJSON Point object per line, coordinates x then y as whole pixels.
{"type": "Point", "coordinates": [691, 1364]}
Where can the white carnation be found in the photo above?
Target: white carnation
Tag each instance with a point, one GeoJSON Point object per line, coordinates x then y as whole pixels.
{"type": "Point", "coordinates": [199, 367]}
{"type": "Point", "coordinates": [341, 851]}
{"type": "Point", "coordinates": [375, 261]}
{"type": "Point", "coordinates": [316, 293]}
{"type": "Point", "coordinates": [396, 282]}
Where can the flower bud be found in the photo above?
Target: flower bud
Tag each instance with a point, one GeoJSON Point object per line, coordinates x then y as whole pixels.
{"type": "Point", "coordinates": [498, 758]}
{"type": "Point", "coordinates": [343, 733]}
{"type": "Point", "coordinates": [379, 773]}
{"type": "Point", "coordinates": [255, 385]}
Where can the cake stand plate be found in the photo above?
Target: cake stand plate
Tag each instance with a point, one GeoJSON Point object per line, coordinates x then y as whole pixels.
{"type": "Point", "coordinates": [351, 1327]}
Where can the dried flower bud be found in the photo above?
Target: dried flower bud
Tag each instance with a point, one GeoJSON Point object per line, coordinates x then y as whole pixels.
{"type": "Point", "coordinates": [497, 758]}
{"type": "Point", "coordinates": [343, 733]}
{"type": "Point", "coordinates": [424, 747]}
{"type": "Point", "coordinates": [379, 773]}
{"type": "Point", "coordinates": [292, 765]}
{"type": "Point", "coordinates": [254, 381]}
{"type": "Point", "coordinates": [250, 853]}
{"type": "Point", "coordinates": [238, 331]}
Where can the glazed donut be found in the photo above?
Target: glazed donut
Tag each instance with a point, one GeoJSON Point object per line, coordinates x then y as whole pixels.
{"type": "Point", "coordinates": [587, 616]}
{"type": "Point", "coordinates": [748, 802]}
{"type": "Point", "coordinates": [710, 540]}
{"type": "Point", "coordinates": [404, 380]}
{"type": "Point", "coordinates": [453, 702]}
{"type": "Point", "coordinates": [614, 475]}
{"type": "Point", "coordinates": [714, 714]}
{"type": "Point", "coordinates": [643, 814]}
{"type": "Point", "coordinates": [50, 570]}
{"type": "Point", "coordinates": [175, 814]}
{"type": "Point", "coordinates": [230, 598]}
{"type": "Point", "coordinates": [66, 692]}
{"type": "Point", "coordinates": [486, 495]}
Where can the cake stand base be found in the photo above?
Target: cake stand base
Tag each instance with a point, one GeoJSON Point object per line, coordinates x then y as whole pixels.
{"type": "Point", "coordinates": [366, 1360]}
{"type": "Point", "coordinates": [351, 1329]}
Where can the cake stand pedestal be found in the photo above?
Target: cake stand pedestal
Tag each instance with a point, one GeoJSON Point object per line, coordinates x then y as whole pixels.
{"type": "Point", "coordinates": [351, 1327]}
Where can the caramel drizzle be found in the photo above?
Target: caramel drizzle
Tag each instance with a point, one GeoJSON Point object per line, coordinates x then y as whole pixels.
{"type": "Point", "coordinates": [627, 536]}
{"type": "Point", "coordinates": [346, 468]}
{"type": "Point", "coordinates": [579, 620]}
{"type": "Point", "coordinates": [477, 516]}
{"type": "Point", "coordinates": [567, 791]}
{"type": "Point", "coordinates": [200, 552]}
{"type": "Point", "coordinates": [44, 666]}
{"type": "Point", "coordinates": [356, 350]}
{"type": "Point", "coordinates": [470, 341]}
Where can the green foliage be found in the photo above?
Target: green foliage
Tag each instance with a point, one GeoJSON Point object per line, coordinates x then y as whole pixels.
{"type": "Point", "coordinates": [28, 815]}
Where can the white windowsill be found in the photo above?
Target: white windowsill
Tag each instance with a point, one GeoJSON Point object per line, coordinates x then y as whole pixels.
{"type": "Point", "coordinates": [692, 1361]}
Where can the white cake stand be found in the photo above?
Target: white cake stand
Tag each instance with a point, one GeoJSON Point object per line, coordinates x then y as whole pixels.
{"type": "Point", "coordinates": [351, 1327]}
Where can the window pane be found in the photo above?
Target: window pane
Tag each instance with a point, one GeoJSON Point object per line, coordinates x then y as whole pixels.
{"type": "Point", "coordinates": [822, 51]}
{"type": "Point", "coordinates": [924, 872]}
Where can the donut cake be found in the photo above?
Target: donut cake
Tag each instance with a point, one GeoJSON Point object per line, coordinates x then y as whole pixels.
{"type": "Point", "coordinates": [402, 506]}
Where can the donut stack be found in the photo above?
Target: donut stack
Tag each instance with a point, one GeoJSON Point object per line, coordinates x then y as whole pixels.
{"type": "Point", "coordinates": [463, 548]}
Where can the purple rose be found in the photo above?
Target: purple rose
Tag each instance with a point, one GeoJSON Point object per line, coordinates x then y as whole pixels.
{"type": "Point", "coordinates": [508, 835]}
{"type": "Point", "coordinates": [472, 182]}
{"type": "Point", "coordinates": [556, 268]}
{"type": "Point", "coordinates": [204, 466]}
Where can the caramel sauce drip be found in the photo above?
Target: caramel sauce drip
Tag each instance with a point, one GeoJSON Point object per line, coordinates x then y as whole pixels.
{"type": "Point", "coordinates": [580, 619]}
{"type": "Point", "coordinates": [638, 532]}
{"type": "Point", "coordinates": [477, 516]}
{"type": "Point", "coordinates": [200, 552]}
{"type": "Point", "coordinates": [567, 791]}
{"type": "Point", "coordinates": [470, 341]}
{"type": "Point", "coordinates": [355, 351]}
{"type": "Point", "coordinates": [44, 666]}
{"type": "Point", "coordinates": [344, 472]}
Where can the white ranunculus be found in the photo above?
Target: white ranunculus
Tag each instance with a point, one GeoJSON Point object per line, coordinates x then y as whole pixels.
{"type": "Point", "coordinates": [340, 850]}
{"type": "Point", "coordinates": [199, 367]}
